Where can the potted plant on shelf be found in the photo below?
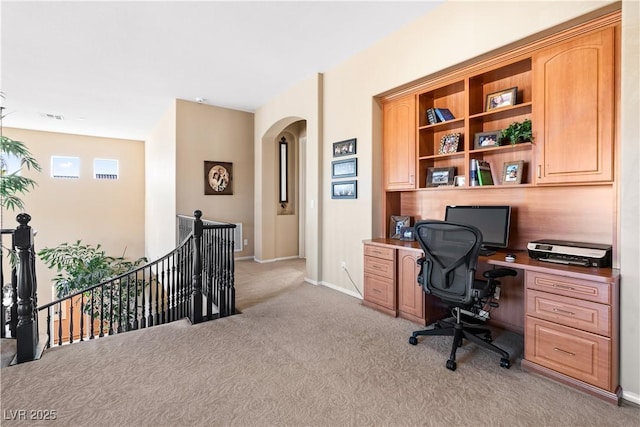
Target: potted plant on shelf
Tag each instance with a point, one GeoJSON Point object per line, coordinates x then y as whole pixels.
{"type": "Point", "coordinates": [517, 133]}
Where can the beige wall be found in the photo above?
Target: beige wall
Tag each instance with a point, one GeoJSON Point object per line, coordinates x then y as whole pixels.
{"type": "Point", "coordinates": [160, 184]}
{"type": "Point", "coordinates": [349, 111]}
{"type": "Point", "coordinates": [105, 212]}
{"type": "Point", "coordinates": [205, 132]}
{"type": "Point", "coordinates": [301, 102]}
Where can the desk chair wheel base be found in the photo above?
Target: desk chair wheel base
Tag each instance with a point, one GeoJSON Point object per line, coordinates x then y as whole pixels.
{"type": "Point", "coordinates": [451, 365]}
{"type": "Point", "coordinates": [505, 363]}
{"type": "Point", "coordinates": [413, 340]}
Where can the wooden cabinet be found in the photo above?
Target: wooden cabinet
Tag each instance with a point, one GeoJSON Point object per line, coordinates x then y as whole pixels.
{"type": "Point", "coordinates": [399, 134]}
{"type": "Point", "coordinates": [574, 96]}
{"type": "Point", "coordinates": [571, 329]}
{"type": "Point", "coordinates": [379, 278]}
{"type": "Point", "coordinates": [410, 294]}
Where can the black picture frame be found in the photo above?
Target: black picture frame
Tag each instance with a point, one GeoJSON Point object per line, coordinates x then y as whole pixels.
{"type": "Point", "coordinates": [407, 233]}
{"type": "Point", "coordinates": [501, 99]}
{"type": "Point", "coordinates": [344, 189]}
{"type": "Point", "coordinates": [487, 139]}
{"type": "Point", "coordinates": [437, 177]}
{"type": "Point", "coordinates": [218, 178]}
{"type": "Point", "coordinates": [344, 148]}
{"type": "Point", "coordinates": [397, 223]}
{"type": "Point", "coordinates": [344, 168]}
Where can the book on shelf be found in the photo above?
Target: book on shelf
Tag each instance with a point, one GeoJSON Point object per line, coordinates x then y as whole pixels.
{"type": "Point", "coordinates": [444, 114]}
{"type": "Point", "coordinates": [431, 116]}
{"type": "Point", "coordinates": [473, 173]}
{"type": "Point", "coordinates": [484, 172]}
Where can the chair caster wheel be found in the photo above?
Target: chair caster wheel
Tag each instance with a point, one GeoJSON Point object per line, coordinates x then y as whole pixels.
{"type": "Point", "coordinates": [451, 365]}
{"type": "Point", "coordinates": [505, 363]}
{"type": "Point", "coordinates": [413, 340]}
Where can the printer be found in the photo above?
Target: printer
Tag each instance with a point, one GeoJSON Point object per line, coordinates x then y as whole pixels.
{"type": "Point", "coordinates": [570, 253]}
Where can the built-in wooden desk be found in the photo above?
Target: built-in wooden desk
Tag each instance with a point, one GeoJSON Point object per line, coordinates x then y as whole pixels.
{"type": "Point", "coordinates": [569, 315]}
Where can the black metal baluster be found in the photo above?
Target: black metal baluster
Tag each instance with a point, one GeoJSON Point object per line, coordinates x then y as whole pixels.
{"type": "Point", "coordinates": [93, 313]}
{"type": "Point", "coordinates": [70, 320]}
{"type": "Point", "coordinates": [128, 310]}
{"type": "Point", "coordinates": [135, 302]}
{"type": "Point", "coordinates": [156, 316]}
{"type": "Point", "coordinates": [101, 334]}
{"type": "Point", "coordinates": [110, 308]}
{"type": "Point", "coordinates": [163, 284]}
{"type": "Point", "coordinates": [60, 323]}
{"type": "Point", "coordinates": [48, 327]}
{"type": "Point", "coordinates": [143, 314]}
{"type": "Point", "coordinates": [150, 310]}
{"type": "Point", "coordinates": [119, 314]}
{"type": "Point", "coordinates": [82, 316]}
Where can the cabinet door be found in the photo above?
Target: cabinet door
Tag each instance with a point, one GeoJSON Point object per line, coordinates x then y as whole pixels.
{"type": "Point", "coordinates": [399, 144]}
{"type": "Point", "coordinates": [573, 110]}
{"type": "Point", "coordinates": [410, 295]}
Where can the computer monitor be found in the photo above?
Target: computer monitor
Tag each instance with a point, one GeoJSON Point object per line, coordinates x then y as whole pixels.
{"type": "Point", "coordinates": [492, 221]}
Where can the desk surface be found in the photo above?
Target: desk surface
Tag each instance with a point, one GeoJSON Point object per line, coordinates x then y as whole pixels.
{"type": "Point", "coordinates": [523, 261]}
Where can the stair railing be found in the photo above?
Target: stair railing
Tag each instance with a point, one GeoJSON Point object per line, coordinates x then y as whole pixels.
{"type": "Point", "coordinates": [168, 289]}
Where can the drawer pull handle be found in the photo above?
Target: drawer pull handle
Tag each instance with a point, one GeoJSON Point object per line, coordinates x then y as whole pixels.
{"type": "Point", "coordinates": [570, 313]}
{"type": "Point", "coordinates": [569, 288]}
{"type": "Point", "coordinates": [564, 351]}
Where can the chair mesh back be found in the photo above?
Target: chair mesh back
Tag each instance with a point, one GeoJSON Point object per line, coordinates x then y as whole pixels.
{"type": "Point", "coordinates": [451, 256]}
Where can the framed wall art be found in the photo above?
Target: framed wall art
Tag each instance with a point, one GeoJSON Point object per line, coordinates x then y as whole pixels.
{"type": "Point", "coordinates": [218, 178]}
{"type": "Point", "coordinates": [512, 172]}
{"type": "Point", "coordinates": [344, 190]}
{"type": "Point", "coordinates": [440, 176]}
{"type": "Point", "coordinates": [503, 98]}
{"type": "Point", "coordinates": [344, 168]}
{"type": "Point", "coordinates": [344, 148]}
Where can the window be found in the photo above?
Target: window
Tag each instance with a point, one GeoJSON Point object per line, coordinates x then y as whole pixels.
{"type": "Point", "coordinates": [65, 167]}
{"type": "Point", "coordinates": [10, 164]}
{"type": "Point", "coordinates": [105, 169]}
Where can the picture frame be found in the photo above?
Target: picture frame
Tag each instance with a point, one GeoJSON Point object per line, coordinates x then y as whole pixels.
{"type": "Point", "coordinates": [344, 189]}
{"type": "Point", "coordinates": [449, 143]}
{"type": "Point", "coordinates": [437, 177]}
{"type": "Point", "coordinates": [501, 99]}
{"type": "Point", "coordinates": [512, 172]}
{"type": "Point", "coordinates": [397, 223]}
{"type": "Point", "coordinates": [218, 178]}
{"type": "Point", "coordinates": [459, 181]}
{"type": "Point", "coordinates": [344, 168]}
{"type": "Point", "coordinates": [487, 139]}
{"type": "Point", "coordinates": [344, 148]}
{"type": "Point", "coordinates": [407, 233]}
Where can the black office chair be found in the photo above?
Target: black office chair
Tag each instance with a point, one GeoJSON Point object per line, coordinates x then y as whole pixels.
{"type": "Point", "coordinates": [448, 271]}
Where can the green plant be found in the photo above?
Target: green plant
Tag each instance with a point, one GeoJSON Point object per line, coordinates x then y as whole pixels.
{"type": "Point", "coordinates": [14, 184]}
{"type": "Point", "coordinates": [82, 266]}
{"type": "Point", "coordinates": [517, 132]}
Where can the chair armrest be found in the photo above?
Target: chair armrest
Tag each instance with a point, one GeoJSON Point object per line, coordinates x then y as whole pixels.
{"type": "Point", "coordinates": [499, 272]}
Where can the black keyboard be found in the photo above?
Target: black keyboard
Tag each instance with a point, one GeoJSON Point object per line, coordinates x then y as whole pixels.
{"type": "Point", "coordinates": [486, 252]}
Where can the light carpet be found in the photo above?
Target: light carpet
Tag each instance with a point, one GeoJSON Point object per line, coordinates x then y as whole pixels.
{"type": "Point", "coordinates": [298, 355]}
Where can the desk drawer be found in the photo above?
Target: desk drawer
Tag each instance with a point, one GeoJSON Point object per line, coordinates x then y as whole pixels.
{"type": "Point", "coordinates": [380, 291]}
{"type": "Point", "coordinates": [379, 267]}
{"type": "Point", "coordinates": [585, 315]}
{"type": "Point", "coordinates": [570, 287]}
{"type": "Point", "coordinates": [379, 252]}
{"type": "Point", "coordinates": [579, 354]}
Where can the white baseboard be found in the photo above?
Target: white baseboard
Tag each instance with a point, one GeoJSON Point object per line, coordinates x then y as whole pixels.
{"type": "Point", "coordinates": [631, 397]}
{"type": "Point", "coordinates": [311, 281]}
{"type": "Point", "coordinates": [244, 258]}
{"type": "Point", "coordinates": [265, 261]}
{"type": "Point", "coordinates": [341, 289]}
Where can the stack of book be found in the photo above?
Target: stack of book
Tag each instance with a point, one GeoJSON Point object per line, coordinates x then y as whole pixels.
{"type": "Point", "coordinates": [437, 115]}
{"type": "Point", "coordinates": [482, 170]}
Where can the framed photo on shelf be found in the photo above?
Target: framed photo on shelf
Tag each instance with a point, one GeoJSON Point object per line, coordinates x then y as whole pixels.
{"type": "Point", "coordinates": [503, 98]}
{"type": "Point", "coordinates": [397, 223]}
{"type": "Point", "coordinates": [459, 180]}
{"type": "Point", "coordinates": [344, 168]}
{"type": "Point", "coordinates": [344, 148]}
{"type": "Point", "coordinates": [487, 139]}
{"type": "Point", "coordinates": [344, 190]}
{"type": "Point", "coordinates": [440, 176]}
{"type": "Point", "coordinates": [449, 143]}
{"type": "Point", "coordinates": [407, 233]}
{"type": "Point", "coordinates": [512, 172]}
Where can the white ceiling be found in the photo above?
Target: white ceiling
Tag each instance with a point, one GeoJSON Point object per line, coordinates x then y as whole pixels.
{"type": "Point", "coordinates": [113, 68]}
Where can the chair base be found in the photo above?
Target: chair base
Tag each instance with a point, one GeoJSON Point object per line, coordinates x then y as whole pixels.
{"type": "Point", "coordinates": [460, 332]}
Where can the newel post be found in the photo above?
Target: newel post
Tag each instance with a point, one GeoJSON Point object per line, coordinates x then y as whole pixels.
{"type": "Point", "coordinates": [196, 294]}
{"type": "Point", "coordinates": [27, 329]}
